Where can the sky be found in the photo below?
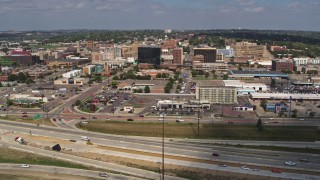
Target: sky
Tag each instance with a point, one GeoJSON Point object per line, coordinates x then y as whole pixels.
{"type": "Point", "coordinates": [22, 15]}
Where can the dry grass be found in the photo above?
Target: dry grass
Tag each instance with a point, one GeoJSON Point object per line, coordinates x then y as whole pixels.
{"type": "Point", "coordinates": [218, 131]}
{"type": "Point", "coordinates": [30, 120]}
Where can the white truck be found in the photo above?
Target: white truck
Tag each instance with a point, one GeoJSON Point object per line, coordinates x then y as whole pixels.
{"type": "Point", "coordinates": [19, 140]}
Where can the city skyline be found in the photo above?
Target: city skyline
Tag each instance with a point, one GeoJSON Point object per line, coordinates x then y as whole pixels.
{"type": "Point", "coordinates": [159, 14]}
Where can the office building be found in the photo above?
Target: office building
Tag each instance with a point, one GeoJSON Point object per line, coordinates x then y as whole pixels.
{"type": "Point", "coordinates": [281, 64]}
{"type": "Point", "coordinates": [177, 56]}
{"type": "Point", "coordinates": [149, 55]}
{"type": "Point", "coordinates": [214, 92]}
{"type": "Point", "coordinates": [209, 54]}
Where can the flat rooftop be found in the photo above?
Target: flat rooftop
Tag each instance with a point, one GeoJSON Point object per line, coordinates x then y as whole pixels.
{"type": "Point", "coordinates": [211, 83]}
{"type": "Point", "coordinates": [255, 72]}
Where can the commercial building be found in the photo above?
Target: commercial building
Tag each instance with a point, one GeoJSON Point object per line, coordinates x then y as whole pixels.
{"type": "Point", "coordinates": [247, 50]}
{"type": "Point", "coordinates": [149, 55]}
{"type": "Point", "coordinates": [228, 52]}
{"type": "Point", "coordinates": [209, 54]}
{"type": "Point", "coordinates": [284, 96]}
{"type": "Point", "coordinates": [70, 81]}
{"type": "Point", "coordinates": [71, 74]}
{"type": "Point", "coordinates": [246, 88]}
{"type": "Point", "coordinates": [281, 64]}
{"type": "Point", "coordinates": [211, 66]}
{"type": "Point", "coordinates": [305, 61]}
{"type": "Point", "coordinates": [236, 74]}
{"type": "Point", "coordinates": [214, 92]}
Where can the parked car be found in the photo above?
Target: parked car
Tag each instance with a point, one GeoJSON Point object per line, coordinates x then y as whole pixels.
{"type": "Point", "coordinates": [24, 113]}
{"type": "Point", "coordinates": [25, 165]}
{"type": "Point", "coordinates": [25, 116]}
{"type": "Point", "coordinates": [141, 115]}
{"type": "Point", "coordinates": [72, 140]}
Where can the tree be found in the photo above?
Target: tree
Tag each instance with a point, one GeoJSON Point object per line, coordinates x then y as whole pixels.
{"type": "Point", "coordinates": [114, 84]}
{"type": "Point", "coordinates": [139, 91]}
{"type": "Point", "coordinates": [273, 82]}
{"type": "Point", "coordinates": [263, 103]}
{"type": "Point", "coordinates": [29, 81]}
{"type": "Point", "coordinates": [206, 74]}
{"type": "Point", "coordinates": [22, 77]}
{"type": "Point", "coordinates": [115, 78]}
{"type": "Point", "coordinates": [77, 103]}
{"type": "Point", "coordinates": [41, 76]}
{"type": "Point", "coordinates": [12, 77]}
{"type": "Point", "coordinates": [259, 125]}
{"type": "Point", "coordinates": [312, 114]}
{"type": "Point", "coordinates": [178, 86]}
{"type": "Point", "coordinates": [147, 89]}
{"type": "Point", "coordinates": [9, 102]}
{"type": "Point", "coordinates": [225, 76]}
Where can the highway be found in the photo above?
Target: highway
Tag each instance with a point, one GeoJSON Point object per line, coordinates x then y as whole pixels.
{"type": "Point", "coordinates": [196, 150]}
{"type": "Point", "coordinates": [54, 170]}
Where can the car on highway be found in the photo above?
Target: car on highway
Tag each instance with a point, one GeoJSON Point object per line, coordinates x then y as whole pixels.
{"type": "Point", "coordinates": [215, 154]}
{"type": "Point", "coordinates": [94, 117]}
{"type": "Point", "coordinates": [84, 122]}
{"type": "Point", "coordinates": [108, 119]}
{"type": "Point", "coordinates": [290, 163]}
{"type": "Point", "coordinates": [103, 174]}
{"type": "Point", "coordinates": [25, 116]}
{"type": "Point", "coordinates": [85, 138]}
{"type": "Point", "coordinates": [304, 160]}
{"type": "Point", "coordinates": [275, 170]}
{"type": "Point", "coordinates": [82, 117]}
{"type": "Point", "coordinates": [129, 119]}
{"type": "Point", "coordinates": [223, 165]}
{"type": "Point", "coordinates": [72, 140]}
{"type": "Point", "coordinates": [179, 120]}
{"type": "Point", "coordinates": [141, 115]}
{"type": "Point", "coordinates": [301, 119]}
{"type": "Point", "coordinates": [24, 113]}
{"type": "Point", "coordinates": [255, 169]}
{"type": "Point", "coordinates": [245, 168]}
{"type": "Point", "coordinates": [25, 165]}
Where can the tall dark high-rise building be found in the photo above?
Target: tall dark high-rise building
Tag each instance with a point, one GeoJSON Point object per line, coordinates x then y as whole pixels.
{"type": "Point", "coordinates": [209, 54]}
{"type": "Point", "coordinates": [150, 55]}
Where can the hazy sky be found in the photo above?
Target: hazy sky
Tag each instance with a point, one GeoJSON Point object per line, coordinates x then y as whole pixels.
{"type": "Point", "coordinates": [159, 14]}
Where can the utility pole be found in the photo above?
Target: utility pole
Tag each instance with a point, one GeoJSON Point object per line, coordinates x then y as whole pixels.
{"type": "Point", "coordinates": [199, 113]}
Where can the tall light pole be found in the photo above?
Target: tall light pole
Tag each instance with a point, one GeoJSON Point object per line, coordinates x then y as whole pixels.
{"type": "Point", "coordinates": [163, 145]}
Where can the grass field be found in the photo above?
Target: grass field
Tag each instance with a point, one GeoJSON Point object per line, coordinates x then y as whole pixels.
{"type": "Point", "coordinates": [40, 121]}
{"type": "Point", "coordinates": [222, 131]}
{"type": "Point", "coordinates": [8, 155]}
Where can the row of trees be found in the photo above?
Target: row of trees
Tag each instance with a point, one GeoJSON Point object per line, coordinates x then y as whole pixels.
{"type": "Point", "coordinates": [169, 86]}
{"type": "Point", "coordinates": [20, 78]}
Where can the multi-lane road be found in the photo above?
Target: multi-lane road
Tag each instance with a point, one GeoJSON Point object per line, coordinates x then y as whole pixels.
{"type": "Point", "coordinates": [177, 148]}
